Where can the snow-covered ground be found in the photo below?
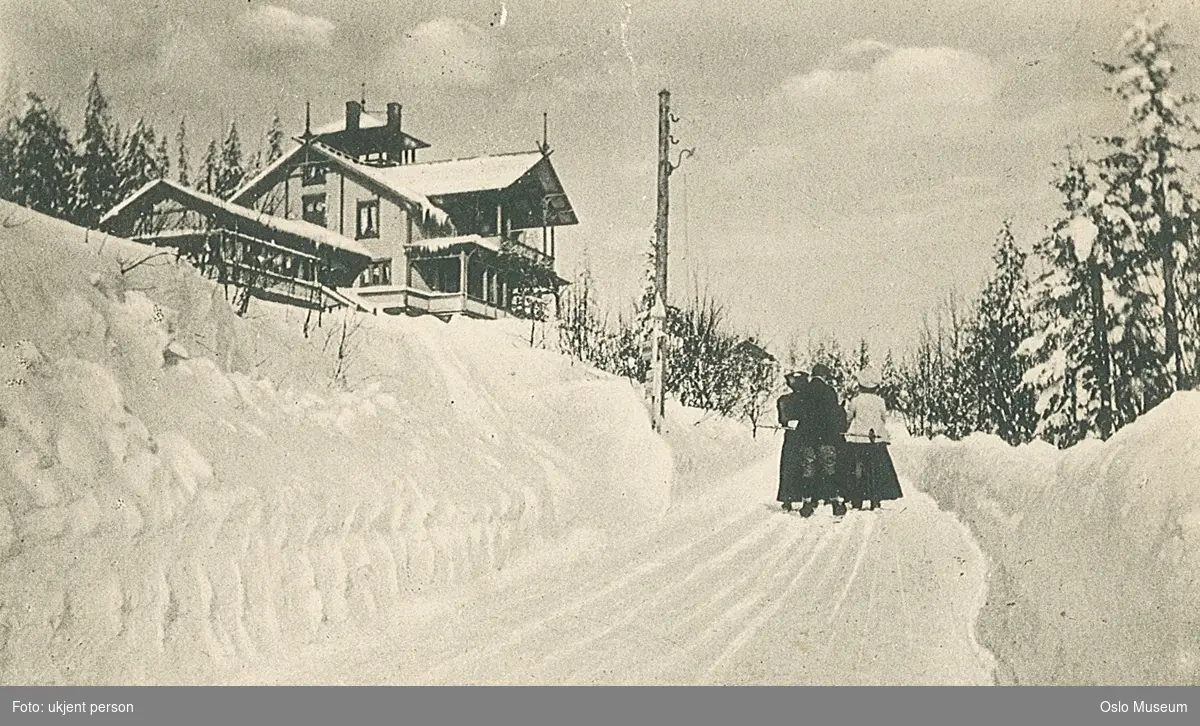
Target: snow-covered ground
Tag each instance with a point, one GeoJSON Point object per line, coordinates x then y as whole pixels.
{"type": "Point", "coordinates": [1095, 549]}
{"type": "Point", "coordinates": [728, 590]}
{"type": "Point", "coordinates": [187, 496]}
{"type": "Point", "coordinates": [182, 490]}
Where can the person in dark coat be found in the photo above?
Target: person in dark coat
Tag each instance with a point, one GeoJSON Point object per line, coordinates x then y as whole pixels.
{"type": "Point", "coordinates": [821, 429]}
{"type": "Point", "coordinates": [790, 408]}
{"type": "Point", "coordinates": [870, 474]}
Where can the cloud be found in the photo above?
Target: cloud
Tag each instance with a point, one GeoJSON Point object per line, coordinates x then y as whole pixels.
{"type": "Point", "coordinates": [883, 78]}
{"type": "Point", "coordinates": [445, 51]}
{"type": "Point", "coordinates": [282, 27]}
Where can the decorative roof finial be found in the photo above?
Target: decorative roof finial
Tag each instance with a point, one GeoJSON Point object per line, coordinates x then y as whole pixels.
{"type": "Point", "coordinates": [308, 119]}
{"type": "Point", "coordinates": [364, 96]}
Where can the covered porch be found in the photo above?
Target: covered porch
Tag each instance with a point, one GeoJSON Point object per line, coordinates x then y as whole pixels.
{"type": "Point", "coordinates": [482, 277]}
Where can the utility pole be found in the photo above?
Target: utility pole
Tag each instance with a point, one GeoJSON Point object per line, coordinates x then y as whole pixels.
{"type": "Point", "coordinates": [658, 313]}
{"type": "Point", "coordinates": [664, 195]}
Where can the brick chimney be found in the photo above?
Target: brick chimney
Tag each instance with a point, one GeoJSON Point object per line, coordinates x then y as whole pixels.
{"type": "Point", "coordinates": [394, 117]}
{"type": "Point", "coordinates": [353, 115]}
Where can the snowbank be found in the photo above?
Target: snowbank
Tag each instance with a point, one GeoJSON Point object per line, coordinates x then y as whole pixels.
{"type": "Point", "coordinates": [183, 491]}
{"type": "Point", "coordinates": [1095, 550]}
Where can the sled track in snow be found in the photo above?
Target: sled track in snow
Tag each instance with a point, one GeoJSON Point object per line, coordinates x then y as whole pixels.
{"type": "Point", "coordinates": [727, 590]}
{"type": "Point", "coordinates": [681, 618]}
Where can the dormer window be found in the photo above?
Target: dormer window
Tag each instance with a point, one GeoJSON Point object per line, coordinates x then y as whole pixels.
{"type": "Point", "coordinates": [314, 174]}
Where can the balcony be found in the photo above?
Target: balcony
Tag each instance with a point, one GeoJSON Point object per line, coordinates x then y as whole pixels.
{"type": "Point", "coordinates": [395, 299]}
{"type": "Point", "coordinates": [493, 243]}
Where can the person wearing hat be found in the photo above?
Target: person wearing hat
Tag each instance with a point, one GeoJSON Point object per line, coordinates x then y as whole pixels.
{"type": "Point", "coordinates": [790, 408]}
{"type": "Point", "coordinates": [821, 431]}
{"type": "Point", "coordinates": [870, 474]}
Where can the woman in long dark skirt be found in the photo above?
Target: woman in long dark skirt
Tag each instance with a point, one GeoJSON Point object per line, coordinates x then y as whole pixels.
{"type": "Point", "coordinates": [791, 463]}
{"type": "Point", "coordinates": [869, 475]}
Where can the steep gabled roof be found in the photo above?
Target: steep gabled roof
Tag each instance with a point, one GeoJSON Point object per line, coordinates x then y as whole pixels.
{"type": "Point", "coordinates": [270, 169]}
{"type": "Point", "coordinates": [437, 180]}
{"type": "Point", "coordinates": [166, 189]}
{"type": "Point", "coordinates": [369, 176]}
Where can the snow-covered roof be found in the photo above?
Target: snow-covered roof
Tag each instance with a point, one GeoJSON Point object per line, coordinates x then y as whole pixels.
{"type": "Point", "coordinates": [412, 196]}
{"type": "Point", "coordinates": [296, 227]}
{"type": "Point", "coordinates": [459, 176]}
{"type": "Point", "coordinates": [371, 173]}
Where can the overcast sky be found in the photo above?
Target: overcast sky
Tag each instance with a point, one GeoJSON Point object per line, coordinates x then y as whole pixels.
{"type": "Point", "coordinates": [854, 159]}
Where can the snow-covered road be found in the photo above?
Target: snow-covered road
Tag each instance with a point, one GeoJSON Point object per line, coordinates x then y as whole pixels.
{"type": "Point", "coordinates": [728, 590]}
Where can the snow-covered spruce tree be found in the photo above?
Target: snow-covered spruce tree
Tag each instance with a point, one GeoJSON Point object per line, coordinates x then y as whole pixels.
{"type": "Point", "coordinates": [162, 158]}
{"type": "Point", "coordinates": [273, 201]}
{"type": "Point", "coordinates": [42, 163]}
{"type": "Point", "coordinates": [183, 168]}
{"type": "Point", "coordinates": [1004, 406]}
{"type": "Point", "coordinates": [97, 179]}
{"type": "Point", "coordinates": [892, 387]}
{"type": "Point", "coordinates": [862, 355]}
{"type": "Point", "coordinates": [1152, 154]}
{"type": "Point", "coordinates": [139, 163]}
{"type": "Point", "coordinates": [1095, 363]}
{"type": "Point", "coordinates": [210, 169]}
{"type": "Point", "coordinates": [231, 172]}
{"type": "Point", "coordinates": [274, 139]}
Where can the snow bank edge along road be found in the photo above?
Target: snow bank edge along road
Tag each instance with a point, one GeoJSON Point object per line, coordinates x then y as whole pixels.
{"type": "Point", "coordinates": [1095, 550]}
{"type": "Point", "coordinates": [183, 490]}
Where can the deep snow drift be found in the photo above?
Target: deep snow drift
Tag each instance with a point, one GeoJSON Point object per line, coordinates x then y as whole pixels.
{"type": "Point", "coordinates": [1095, 550]}
{"type": "Point", "coordinates": [183, 491]}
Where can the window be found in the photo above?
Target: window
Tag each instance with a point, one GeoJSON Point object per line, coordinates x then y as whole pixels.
{"type": "Point", "coordinates": [368, 219]}
{"type": "Point", "coordinates": [314, 174]}
{"type": "Point", "coordinates": [378, 273]}
{"type": "Point", "coordinates": [314, 209]}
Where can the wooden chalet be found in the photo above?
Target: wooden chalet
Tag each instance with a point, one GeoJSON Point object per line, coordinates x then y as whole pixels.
{"type": "Point", "coordinates": [350, 217]}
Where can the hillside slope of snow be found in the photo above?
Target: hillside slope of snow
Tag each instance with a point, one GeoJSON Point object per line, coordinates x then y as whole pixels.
{"type": "Point", "coordinates": [1095, 550]}
{"type": "Point", "coordinates": [183, 491]}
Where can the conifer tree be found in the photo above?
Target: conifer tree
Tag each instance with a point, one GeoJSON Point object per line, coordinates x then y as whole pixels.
{"type": "Point", "coordinates": [1002, 323]}
{"type": "Point", "coordinates": [97, 182]}
{"type": "Point", "coordinates": [1152, 155]}
{"type": "Point", "coordinates": [183, 167]}
{"type": "Point", "coordinates": [210, 169]}
{"type": "Point", "coordinates": [231, 171]}
{"type": "Point", "coordinates": [891, 386]}
{"type": "Point", "coordinates": [162, 158]}
{"type": "Point", "coordinates": [139, 159]}
{"type": "Point", "coordinates": [42, 161]}
{"type": "Point", "coordinates": [274, 139]}
{"type": "Point", "coordinates": [1088, 338]}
